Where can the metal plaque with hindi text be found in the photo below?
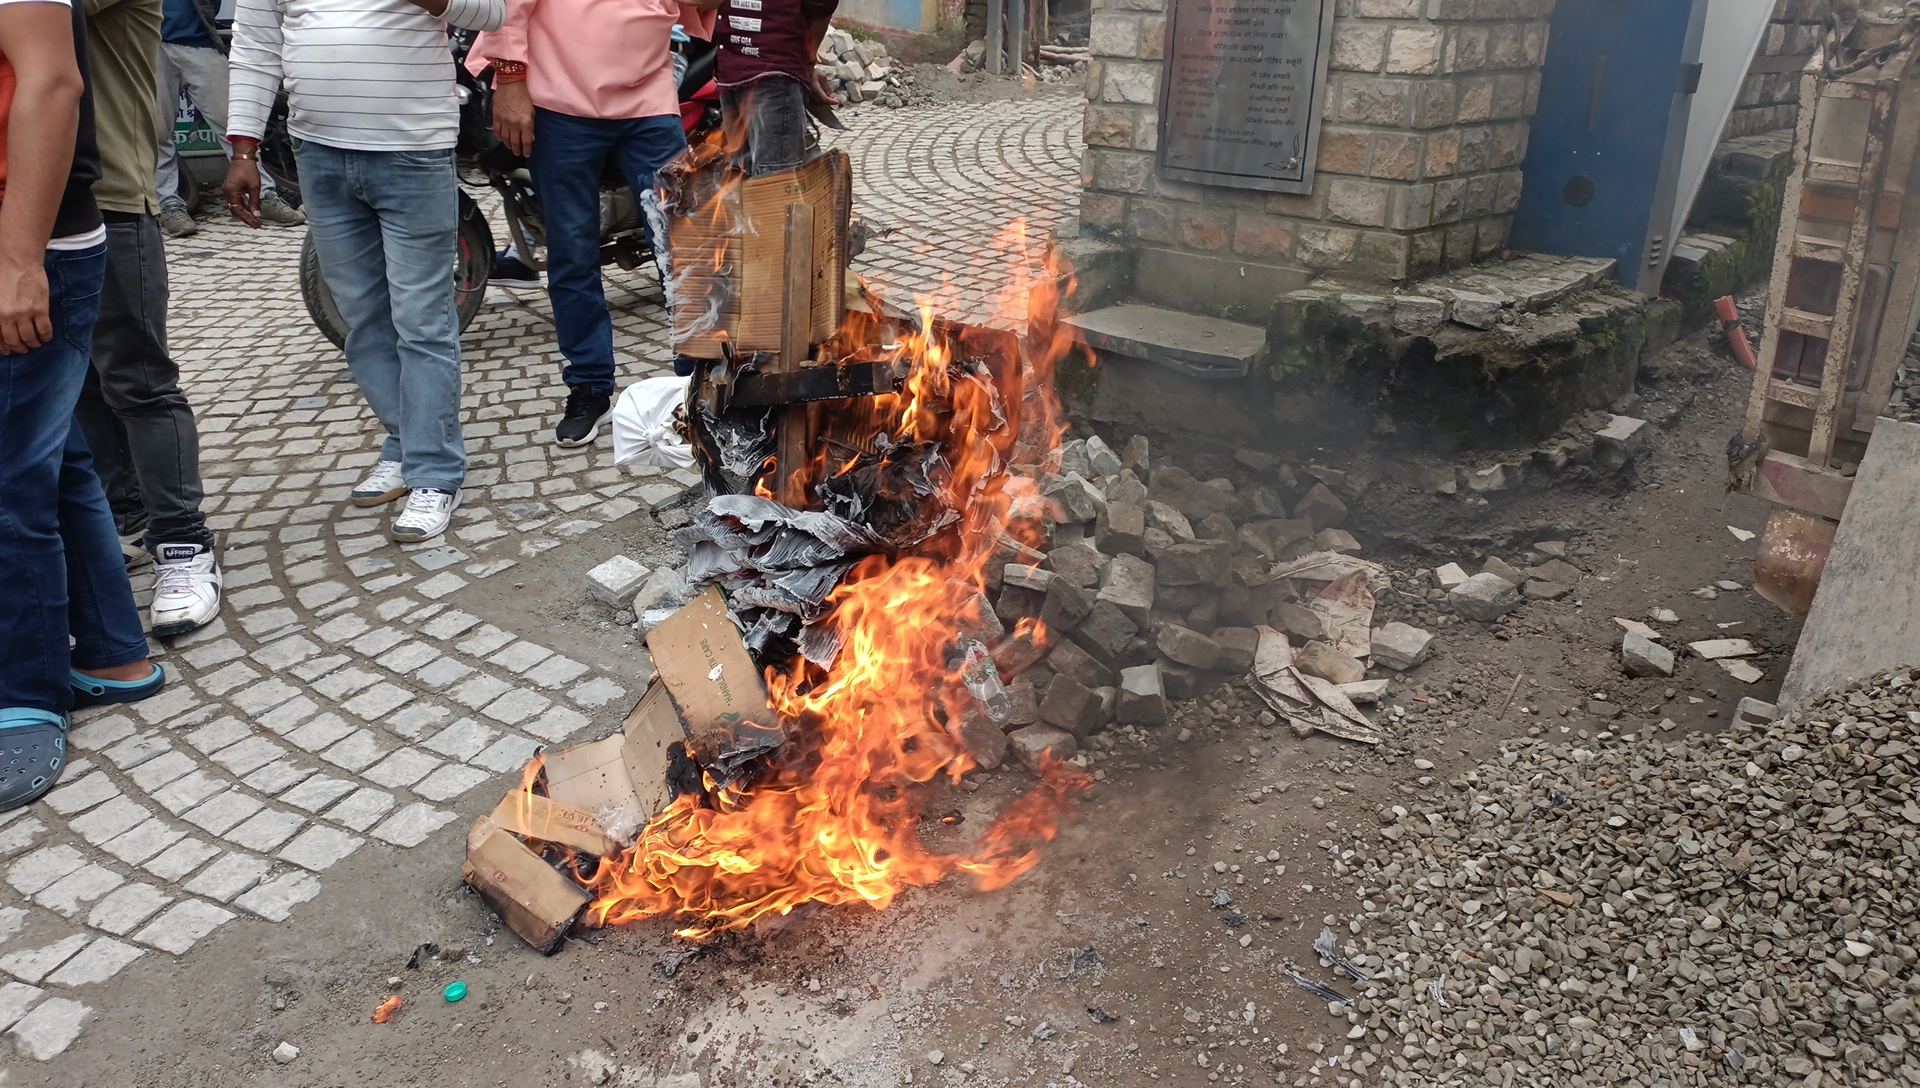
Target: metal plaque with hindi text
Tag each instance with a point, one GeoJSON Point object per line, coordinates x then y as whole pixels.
{"type": "Point", "coordinates": [1243, 91]}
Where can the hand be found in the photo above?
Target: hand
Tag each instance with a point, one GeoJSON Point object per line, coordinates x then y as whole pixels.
{"type": "Point", "coordinates": [823, 87]}
{"type": "Point", "coordinates": [513, 116]}
{"type": "Point", "coordinates": [25, 318]}
{"type": "Point", "coordinates": [242, 188]}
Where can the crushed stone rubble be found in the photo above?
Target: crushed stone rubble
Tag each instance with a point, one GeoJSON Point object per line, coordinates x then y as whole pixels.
{"type": "Point", "coordinates": [1723, 909]}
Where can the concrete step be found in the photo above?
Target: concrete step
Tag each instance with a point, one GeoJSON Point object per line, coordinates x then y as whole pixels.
{"type": "Point", "coordinates": [1204, 347]}
{"type": "Point", "coordinates": [1866, 615]}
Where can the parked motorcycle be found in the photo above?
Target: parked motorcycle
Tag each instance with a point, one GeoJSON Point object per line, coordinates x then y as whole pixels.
{"type": "Point", "coordinates": [484, 160]}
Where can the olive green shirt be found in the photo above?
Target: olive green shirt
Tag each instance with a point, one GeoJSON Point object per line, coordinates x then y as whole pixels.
{"type": "Point", "coordinates": [123, 48]}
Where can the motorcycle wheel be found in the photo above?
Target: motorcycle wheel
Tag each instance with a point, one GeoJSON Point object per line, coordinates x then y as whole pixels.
{"type": "Point", "coordinates": [473, 263]}
{"type": "Point", "coordinates": [188, 186]}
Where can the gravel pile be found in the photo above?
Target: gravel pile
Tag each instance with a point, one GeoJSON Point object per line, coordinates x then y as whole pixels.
{"type": "Point", "coordinates": [1731, 909]}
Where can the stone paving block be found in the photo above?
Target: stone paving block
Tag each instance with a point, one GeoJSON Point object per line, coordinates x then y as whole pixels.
{"type": "Point", "coordinates": [217, 734]}
{"type": "Point", "coordinates": [40, 869]}
{"type": "Point", "coordinates": [440, 585]}
{"type": "Point", "coordinates": [287, 715]}
{"type": "Point", "coordinates": [262, 697]}
{"type": "Point", "coordinates": [49, 1029]}
{"type": "Point", "coordinates": [183, 857]}
{"type": "Point", "coordinates": [319, 733]}
{"type": "Point", "coordinates": [96, 963]}
{"type": "Point", "coordinates": [169, 706]}
{"type": "Point", "coordinates": [110, 820]}
{"type": "Point", "coordinates": [462, 740]}
{"type": "Point", "coordinates": [143, 841]}
{"type": "Point", "coordinates": [440, 558]}
{"type": "Point", "coordinates": [82, 886]}
{"type": "Point", "coordinates": [415, 719]}
{"type": "Point", "coordinates": [284, 653]}
{"type": "Point", "coordinates": [182, 926]}
{"type": "Point", "coordinates": [229, 876]}
{"type": "Point", "coordinates": [214, 654]}
{"type": "Point", "coordinates": [479, 690]}
{"type": "Point", "coordinates": [17, 836]}
{"type": "Point", "coordinates": [412, 824]}
{"type": "Point", "coordinates": [378, 701]}
{"type": "Point", "coordinates": [361, 810]}
{"type": "Point", "coordinates": [450, 625]}
{"type": "Point", "coordinates": [100, 733]}
{"type": "Point", "coordinates": [268, 620]}
{"type": "Point", "coordinates": [265, 830]}
{"type": "Point", "coordinates": [188, 791]}
{"type": "Point", "coordinates": [360, 749]}
{"type": "Point", "coordinates": [34, 964]}
{"type": "Point", "coordinates": [556, 723]}
{"type": "Point", "coordinates": [449, 781]}
{"type": "Point", "coordinates": [319, 666]}
{"type": "Point", "coordinates": [317, 793]}
{"type": "Point", "coordinates": [377, 641]}
{"type": "Point", "coordinates": [248, 755]}
{"type": "Point", "coordinates": [138, 749]}
{"type": "Point", "coordinates": [275, 899]}
{"type": "Point", "coordinates": [15, 999]}
{"type": "Point", "coordinates": [596, 693]}
{"type": "Point", "coordinates": [408, 656]}
{"type": "Point", "coordinates": [516, 706]}
{"type": "Point", "coordinates": [442, 672]}
{"type": "Point", "coordinates": [509, 753]}
{"type": "Point", "coordinates": [126, 907]}
{"type": "Point", "coordinates": [222, 812]}
{"type": "Point", "coordinates": [281, 774]}
{"type": "Point", "coordinates": [342, 683]}
{"type": "Point", "coordinates": [319, 848]}
{"type": "Point", "coordinates": [81, 793]}
{"type": "Point", "coordinates": [520, 656]}
{"type": "Point", "coordinates": [484, 641]}
{"type": "Point", "coordinates": [341, 628]}
{"type": "Point", "coordinates": [12, 920]}
{"type": "Point", "coordinates": [403, 768]}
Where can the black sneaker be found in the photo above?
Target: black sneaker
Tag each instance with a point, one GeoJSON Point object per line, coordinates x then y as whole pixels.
{"type": "Point", "coordinates": [586, 411]}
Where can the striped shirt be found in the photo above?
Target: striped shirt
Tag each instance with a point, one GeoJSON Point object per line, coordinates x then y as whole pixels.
{"type": "Point", "coordinates": [363, 75]}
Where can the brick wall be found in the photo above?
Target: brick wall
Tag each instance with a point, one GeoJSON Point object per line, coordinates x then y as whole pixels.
{"type": "Point", "coordinates": [1771, 91]}
{"type": "Point", "coordinates": [1425, 126]}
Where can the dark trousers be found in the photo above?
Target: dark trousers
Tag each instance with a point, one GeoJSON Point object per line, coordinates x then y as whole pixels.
{"type": "Point", "coordinates": [768, 118]}
{"type": "Point", "coordinates": [570, 155]}
{"type": "Point", "coordinates": [64, 573]}
{"type": "Point", "coordinates": [136, 419]}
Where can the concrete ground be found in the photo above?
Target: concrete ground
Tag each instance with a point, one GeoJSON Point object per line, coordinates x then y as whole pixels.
{"type": "Point", "coordinates": [272, 849]}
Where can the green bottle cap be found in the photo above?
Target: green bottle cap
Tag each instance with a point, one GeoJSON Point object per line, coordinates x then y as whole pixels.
{"type": "Point", "coordinates": [455, 991]}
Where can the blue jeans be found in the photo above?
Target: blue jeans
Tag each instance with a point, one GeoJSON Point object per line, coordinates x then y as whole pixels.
{"type": "Point", "coordinates": [58, 552]}
{"type": "Point", "coordinates": [569, 156]}
{"type": "Point", "coordinates": [386, 227]}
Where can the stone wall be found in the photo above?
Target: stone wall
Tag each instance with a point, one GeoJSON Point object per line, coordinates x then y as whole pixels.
{"type": "Point", "coordinates": [1772, 89]}
{"type": "Point", "coordinates": [1425, 126]}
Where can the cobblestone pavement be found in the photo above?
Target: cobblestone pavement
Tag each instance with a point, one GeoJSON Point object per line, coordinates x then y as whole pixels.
{"type": "Point", "coordinates": [350, 698]}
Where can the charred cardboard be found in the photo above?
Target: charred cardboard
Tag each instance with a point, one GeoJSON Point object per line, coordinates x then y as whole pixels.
{"type": "Point", "coordinates": [715, 685]}
{"type": "Point", "coordinates": [529, 895]}
{"type": "Point", "coordinates": [729, 258]}
{"type": "Point", "coordinates": [624, 775]}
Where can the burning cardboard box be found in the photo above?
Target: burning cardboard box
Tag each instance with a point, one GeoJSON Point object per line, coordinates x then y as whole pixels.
{"type": "Point", "coordinates": [707, 702]}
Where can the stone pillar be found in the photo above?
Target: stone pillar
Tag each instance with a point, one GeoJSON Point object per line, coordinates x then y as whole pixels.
{"type": "Point", "coordinates": [1424, 129]}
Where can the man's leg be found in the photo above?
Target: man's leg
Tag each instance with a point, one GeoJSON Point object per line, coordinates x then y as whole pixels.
{"type": "Point", "coordinates": [569, 156]}
{"type": "Point", "coordinates": [38, 390]}
{"type": "Point", "coordinates": [416, 196]}
{"type": "Point", "coordinates": [777, 134]}
{"type": "Point", "coordinates": [104, 620]}
{"type": "Point", "coordinates": [346, 232]}
{"type": "Point", "coordinates": [204, 76]}
{"type": "Point", "coordinates": [141, 384]}
{"type": "Point", "coordinates": [175, 217]}
{"type": "Point", "coordinates": [113, 462]}
{"type": "Point", "coordinates": [647, 144]}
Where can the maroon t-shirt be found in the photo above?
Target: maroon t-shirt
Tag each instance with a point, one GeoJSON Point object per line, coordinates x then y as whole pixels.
{"type": "Point", "coordinates": [759, 38]}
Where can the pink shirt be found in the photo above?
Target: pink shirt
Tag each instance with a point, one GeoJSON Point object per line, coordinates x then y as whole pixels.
{"type": "Point", "coordinates": [608, 59]}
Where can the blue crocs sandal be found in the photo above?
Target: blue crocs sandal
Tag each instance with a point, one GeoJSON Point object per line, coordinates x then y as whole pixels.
{"type": "Point", "coordinates": [33, 751]}
{"type": "Point", "coordinates": [93, 691]}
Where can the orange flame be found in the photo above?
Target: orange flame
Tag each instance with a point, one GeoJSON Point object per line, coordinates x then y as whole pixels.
{"type": "Point", "coordinates": [835, 821]}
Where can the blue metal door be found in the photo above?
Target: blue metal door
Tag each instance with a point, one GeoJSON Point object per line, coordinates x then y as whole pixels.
{"type": "Point", "coordinates": [1603, 155]}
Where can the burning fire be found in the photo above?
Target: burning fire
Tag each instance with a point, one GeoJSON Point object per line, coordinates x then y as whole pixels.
{"type": "Point", "coordinates": [834, 820]}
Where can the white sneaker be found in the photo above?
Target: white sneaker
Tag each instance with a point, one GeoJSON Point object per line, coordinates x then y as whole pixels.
{"type": "Point", "coordinates": [426, 516]}
{"type": "Point", "coordinates": [186, 595]}
{"type": "Point", "coordinates": [383, 485]}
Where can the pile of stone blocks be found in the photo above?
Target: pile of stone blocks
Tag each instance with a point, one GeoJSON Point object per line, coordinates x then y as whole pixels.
{"type": "Point", "coordinates": [858, 70]}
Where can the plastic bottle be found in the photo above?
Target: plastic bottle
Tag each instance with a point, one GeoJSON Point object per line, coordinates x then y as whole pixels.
{"type": "Point", "coordinates": [982, 678]}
